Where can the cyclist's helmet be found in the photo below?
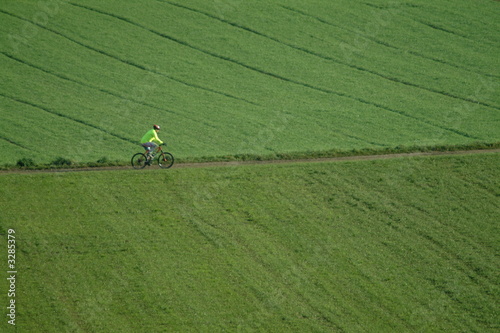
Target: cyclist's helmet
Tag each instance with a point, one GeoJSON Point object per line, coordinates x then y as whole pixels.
{"type": "Point", "coordinates": [156, 127]}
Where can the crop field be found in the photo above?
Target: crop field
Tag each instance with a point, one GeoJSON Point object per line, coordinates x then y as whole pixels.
{"type": "Point", "coordinates": [85, 79]}
{"type": "Point", "coordinates": [397, 245]}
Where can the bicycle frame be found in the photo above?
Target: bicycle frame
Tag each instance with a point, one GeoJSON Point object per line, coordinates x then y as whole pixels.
{"type": "Point", "coordinates": [157, 150]}
{"type": "Point", "coordinates": [165, 159]}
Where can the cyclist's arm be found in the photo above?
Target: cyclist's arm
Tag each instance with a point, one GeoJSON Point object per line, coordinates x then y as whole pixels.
{"type": "Point", "coordinates": [157, 139]}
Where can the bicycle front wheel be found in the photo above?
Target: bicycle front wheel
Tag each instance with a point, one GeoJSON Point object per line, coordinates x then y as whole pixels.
{"type": "Point", "coordinates": [165, 160]}
{"type": "Point", "coordinates": [139, 161]}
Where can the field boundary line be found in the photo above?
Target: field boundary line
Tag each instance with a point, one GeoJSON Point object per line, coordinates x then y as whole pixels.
{"type": "Point", "coordinates": [192, 165]}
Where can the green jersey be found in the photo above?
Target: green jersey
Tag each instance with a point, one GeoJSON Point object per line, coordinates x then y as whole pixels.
{"type": "Point", "coordinates": [151, 136]}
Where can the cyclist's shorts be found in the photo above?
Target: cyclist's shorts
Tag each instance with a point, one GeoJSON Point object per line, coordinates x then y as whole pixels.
{"type": "Point", "coordinates": [149, 146]}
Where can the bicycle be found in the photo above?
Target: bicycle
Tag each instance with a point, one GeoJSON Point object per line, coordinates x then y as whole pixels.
{"type": "Point", "coordinates": [165, 160]}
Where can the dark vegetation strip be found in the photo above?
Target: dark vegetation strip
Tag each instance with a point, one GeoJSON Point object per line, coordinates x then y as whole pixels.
{"type": "Point", "coordinates": [435, 27]}
{"type": "Point", "coordinates": [282, 78]}
{"type": "Point", "coordinates": [150, 70]}
{"type": "Point", "coordinates": [385, 7]}
{"type": "Point", "coordinates": [326, 155]}
{"type": "Point", "coordinates": [484, 38]}
{"type": "Point", "coordinates": [129, 62]}
{"type": "Point", "coordinates": [335, 60]}
{"type": "Point", "coordinates": [428, 24]}
{"type": "Point", "coordinates": [361, 139]}
{"type": "Point", "coordinates": [384, 43]}
{"type": "Point", "coordinates": [79, 121]}
{"type": "Point", "coordinates": [13, 143]}
{"type": "Point", "coordinates": [84, 84]}
{"type": "Point", "coordinates": [439, 28]}
{"type": "Point", "coordinates": [193, 85]}
{"type": "Point", "coordinates": [495, 191]}
{"type": "Point", "coordinates": [103, 90]}
{"type": "Point", "coordinates": [470, 270]}
{"type": "Point", "coordinates": [328, 90]}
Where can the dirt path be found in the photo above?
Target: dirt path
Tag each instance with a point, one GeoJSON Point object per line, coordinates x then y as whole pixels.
{"type": "Point", "coordinates": [337, 159]}
{"type": "Point", "coordinates": [239, 163]}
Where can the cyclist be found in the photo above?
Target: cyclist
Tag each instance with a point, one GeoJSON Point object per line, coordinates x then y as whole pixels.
{"type": "Point", "coordinates": [150, 139]}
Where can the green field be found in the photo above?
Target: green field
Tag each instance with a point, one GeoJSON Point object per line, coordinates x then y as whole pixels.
{"type": "Point", "coordinates": [399, 245]}
{"type": "Point", "coordinates": [85, 79]}
{"type": "Point", "coordinates": [389, 245]}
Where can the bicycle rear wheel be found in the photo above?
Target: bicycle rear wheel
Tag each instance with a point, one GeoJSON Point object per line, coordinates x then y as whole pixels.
{"type": "Point", "coordinates": [165, 160]}
{"type": "Point", "coordinates": [138, 161]}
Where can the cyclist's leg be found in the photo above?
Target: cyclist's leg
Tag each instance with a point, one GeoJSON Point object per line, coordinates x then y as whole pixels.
{"type": "Point", "coordinates": [149, 146]}
{"type": "Point", "coordinates": [153, 147]}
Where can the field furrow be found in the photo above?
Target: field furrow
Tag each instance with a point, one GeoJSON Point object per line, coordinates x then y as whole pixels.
{"type": "Point", "coordinates": [79, 121]}
{"type": "Point", "coordinates": [338, 61]}
{"type": "Point", "coordinates": [374, 39]}
{"type": "Point", "coordinates": [14, 143]}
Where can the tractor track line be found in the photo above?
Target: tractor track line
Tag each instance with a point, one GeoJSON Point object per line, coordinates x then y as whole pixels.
{"type": "Point", "coordinates": [273, 75]}
{"type": "Point", "coordinates": [125, 61]}
{"type": "Point", "coordinates": [332, 59]}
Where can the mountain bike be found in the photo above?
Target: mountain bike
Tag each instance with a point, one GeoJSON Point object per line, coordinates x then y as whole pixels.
{"type": "Point", "coordinates": [165, 160]}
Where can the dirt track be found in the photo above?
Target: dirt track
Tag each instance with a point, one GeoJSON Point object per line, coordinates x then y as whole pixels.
{"type": "Point", "coordinates": [238, 163]}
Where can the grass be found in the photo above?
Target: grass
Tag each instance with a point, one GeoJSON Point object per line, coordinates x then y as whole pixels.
{"type": "Point", "coordinates": [85, 79]}
{"type": "Point", "coordinates": [62, 163]}
{"type": "Point", "coordinates": [340, 153]}
{"type": "Point", "coordinates": [398, 245]}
